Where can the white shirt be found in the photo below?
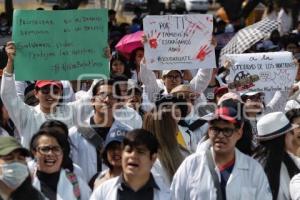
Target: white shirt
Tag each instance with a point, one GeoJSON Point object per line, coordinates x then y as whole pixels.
{"type": "Point", "coordinates": [294, 187]}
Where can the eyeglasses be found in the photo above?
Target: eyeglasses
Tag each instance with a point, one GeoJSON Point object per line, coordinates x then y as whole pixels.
{"type": "Point", "coordinates": [102, 96]}
{"type": "Point", "coordinates": [45, 150]}
{"type": "Point", "coordinates": [227, 132]}
{"type": "Point", "coordinates": [47, 90]}
{"type": "Point", "coordinates": [257, 97]}
{"type": "Point", "coordinates": [170, 77]}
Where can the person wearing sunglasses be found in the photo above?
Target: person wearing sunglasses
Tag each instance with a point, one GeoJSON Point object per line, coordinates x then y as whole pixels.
{"type": "Point", "coordinates": [48, 92]}
{"type": "Point", "coordinates": [221, 171]}
{"type": "Point", "coordinates": [54, 175]}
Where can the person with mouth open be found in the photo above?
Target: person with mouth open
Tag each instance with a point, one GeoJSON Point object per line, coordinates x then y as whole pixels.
{"type": "Point", "coordinates": [221, 171]}
{"type": "Point", "coordinates": [54, 175]}
{"type": "Point", "coordinates": [111, 155]}
{"type": "Point", "coordinates": [139, 152]}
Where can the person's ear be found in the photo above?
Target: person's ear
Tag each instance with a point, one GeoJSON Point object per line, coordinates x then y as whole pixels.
{"type": "Point", "coordinates": [33, 152]}
{"type": "Point", "coordinates": [35, 92]}
{"type": "Point", "coordinates": [240, 131]}
{"type": "Point", "coordinates": [153, 158]}
{"type": "Point", "coordinates": [93, 100]}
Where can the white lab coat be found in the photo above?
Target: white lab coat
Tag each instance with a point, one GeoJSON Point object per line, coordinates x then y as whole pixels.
{"type": "Point", "coordinates": [65, 188]}
{"type": "Point", "coordinates": [247, 181]}
{"type": "Point", "coordinates": [109, 190]}
{"type": "Point", "coordinates": [32, 165]}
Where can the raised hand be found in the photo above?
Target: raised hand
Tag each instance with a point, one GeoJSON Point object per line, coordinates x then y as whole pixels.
{"type": "Point", "coordinates": [10, 50]}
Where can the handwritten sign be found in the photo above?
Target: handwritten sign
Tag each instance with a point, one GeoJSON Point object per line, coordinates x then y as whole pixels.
{"type": "Point", "coordinates": [59, 45]}
{"type": "Point", "coordinates": [179, 42]}
{"type": "Point", "coordinates": [275, 71]}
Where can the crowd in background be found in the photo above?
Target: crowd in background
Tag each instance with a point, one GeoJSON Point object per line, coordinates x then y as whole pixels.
{"type": "Point", "coordinates": [142, 134]}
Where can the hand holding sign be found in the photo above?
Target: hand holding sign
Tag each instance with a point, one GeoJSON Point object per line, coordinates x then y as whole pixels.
{"type": "Point", "coordinates": [11, 52]}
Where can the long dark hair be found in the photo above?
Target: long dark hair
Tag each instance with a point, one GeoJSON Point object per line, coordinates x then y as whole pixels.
{"type": "Point", "coordinates": [132, 63]}
{"type": "Point", "coordinates": [270, 154]}
{"type": "Point", "coordinates": [244, 144]}
{"type": "Point", "coordinates": [1, 116]}
{"type": "Point", "coordinates": [293, 114]}
{"type": "Point", "coordinates": [122, 59]}
{"type": "Point", "coordinates": [61, 138]}
{"type": "Point", "coordinates": [8, 126]}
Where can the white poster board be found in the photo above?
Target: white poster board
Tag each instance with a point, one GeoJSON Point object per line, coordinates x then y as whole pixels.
{"type": "Point", "coordinates": [275, 71]}
{"type": "Point", "coordinates": [179, 42]}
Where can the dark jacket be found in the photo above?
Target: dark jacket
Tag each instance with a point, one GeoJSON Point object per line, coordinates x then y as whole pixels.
{"type": "Point", "coordinates": [26, 191]}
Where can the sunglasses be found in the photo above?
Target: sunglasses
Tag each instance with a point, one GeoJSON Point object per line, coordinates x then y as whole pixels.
{"type": "Point", "coordinates": [50, 90]}
{"type": "Point", "coordinates": [227, 132]}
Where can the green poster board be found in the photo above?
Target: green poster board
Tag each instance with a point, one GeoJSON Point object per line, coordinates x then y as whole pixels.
{"type": "Point", "coordinates": [60, 45]}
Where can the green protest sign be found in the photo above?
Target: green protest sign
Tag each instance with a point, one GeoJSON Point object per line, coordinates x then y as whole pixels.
{"type": "Point", "coordinates": [60, 45]}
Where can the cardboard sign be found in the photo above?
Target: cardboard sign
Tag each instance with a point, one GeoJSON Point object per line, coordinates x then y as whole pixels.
{"type": "Point", "coordinates": [262, 72]}
{"type": "Point", "coordinates": [179, 42]}
{"type": "Point", "coordinates": [59, 45]}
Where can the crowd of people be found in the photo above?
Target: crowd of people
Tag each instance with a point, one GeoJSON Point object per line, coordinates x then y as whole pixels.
{"type": "Point", "coordinates": [170, 134]}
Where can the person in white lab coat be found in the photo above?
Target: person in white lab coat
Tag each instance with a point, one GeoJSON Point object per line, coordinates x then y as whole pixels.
{"type": "Point", "coordinates": [54, 176]}
{"type": "Point", "coordinates": [138, 156]}
{"type": "Point", "coordinates": [222, 170]}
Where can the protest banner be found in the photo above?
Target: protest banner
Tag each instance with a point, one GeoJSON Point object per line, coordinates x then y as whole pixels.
{"type": "Point", "coordinates": [262, 72]}
{"type": "Point", "coordinates": [179, 42]}
{"type": "Point", "coordinates": [59, 45]}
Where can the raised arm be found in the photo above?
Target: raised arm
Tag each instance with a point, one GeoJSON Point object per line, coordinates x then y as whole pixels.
{"type": "Point", "coordinates": [15, 106]}
{"type": "Point", "coordinates": [200, 82]}
{"type": "Point", "coordinates": [149, 80]}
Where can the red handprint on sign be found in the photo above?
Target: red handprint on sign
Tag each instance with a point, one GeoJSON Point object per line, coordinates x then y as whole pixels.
{"type": "Point", "coordinates": [153, 39]}
{"type": "Point", "coordinates": [153, 43]}
{"type": "Point", "coordinates": [203, 52]}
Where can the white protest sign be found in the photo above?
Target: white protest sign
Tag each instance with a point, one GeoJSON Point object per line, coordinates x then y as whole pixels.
{"type": "Point", "coordinates": [179, 42]}
{"type": "Point", "coordinates": [274, 71]}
